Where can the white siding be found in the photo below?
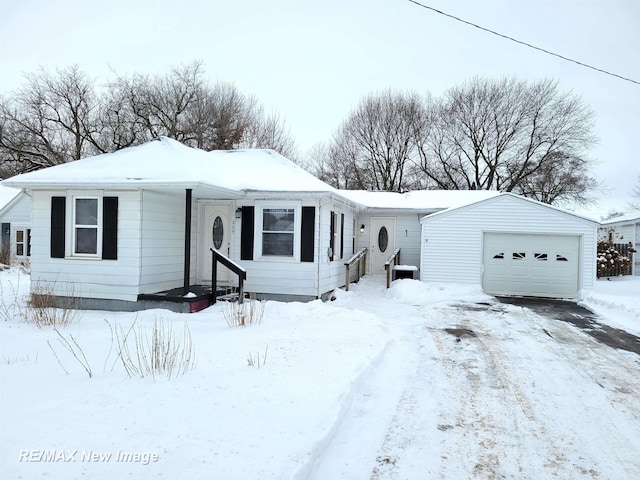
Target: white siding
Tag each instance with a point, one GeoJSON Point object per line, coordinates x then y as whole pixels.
{"type": "Point", "coordinates": [407, 235]}
{"type": "Point", "coordinates": [278, 276]}
{"type": "Point", "coordinates": [452, 242]}
{"type": "Point", "coordinates": [20, 212]}
{"type": "Point", "coordinates": [19, 216]}
{"type": "Point", "coordinates": [89, 278]}
{"type": "Point", "coordinates": [295, 278]}
{"type": "Point", "coordinates": [162, 242]}
{"type": "Point", "coordinates": [332, 273]}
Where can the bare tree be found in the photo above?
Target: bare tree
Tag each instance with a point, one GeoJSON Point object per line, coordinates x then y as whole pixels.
{"type": "Point", "coordinates": [48, 120]}
{"type": "Point", "coordinates": [375, 143]}
{"type": "Point", "coordinates": [269, 131]}
{"type": "Point", "coordinates": [510, 135]}
{"type": "Point", "coordinates": [334, 164]}
{"type": "Point", "coordinates": [183, 106]}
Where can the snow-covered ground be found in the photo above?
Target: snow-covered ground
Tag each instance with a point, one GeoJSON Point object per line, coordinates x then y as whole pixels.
{"type": "Point", "coordinates": [368, 386]}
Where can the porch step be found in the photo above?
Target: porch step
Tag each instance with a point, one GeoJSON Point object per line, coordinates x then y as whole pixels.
{"type": "Point", "coordinates": [228, 297]}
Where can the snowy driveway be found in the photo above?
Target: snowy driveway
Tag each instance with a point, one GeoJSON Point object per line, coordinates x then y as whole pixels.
{"type": "Point", "coordinates": [581, 317]}
{"type": "Point", "coordinates": [518, 396]}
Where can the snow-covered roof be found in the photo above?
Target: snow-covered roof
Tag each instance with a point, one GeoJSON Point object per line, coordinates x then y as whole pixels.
{"type": "Point", "coordinates": [498, 197]}
{"type": "Point", "coordinates": [421, 200]}
{"type": "Point", "coordinates": [631, 217]}
{"type": "Point", "coordinates": [167, 164]}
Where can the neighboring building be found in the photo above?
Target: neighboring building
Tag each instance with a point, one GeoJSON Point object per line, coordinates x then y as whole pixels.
{"type": "Point", "coordinates": [129, 229]}
{"type": "Point", "coordinates": [623, 230]}
{"type": "Point", "coordinates": [15, 221]}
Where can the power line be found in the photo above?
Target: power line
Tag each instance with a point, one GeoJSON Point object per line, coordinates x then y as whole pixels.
{"type": "Point", "coordinates": [524, 43]}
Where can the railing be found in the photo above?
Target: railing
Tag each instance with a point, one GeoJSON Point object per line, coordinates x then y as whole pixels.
{"type": "Point", "coordinates": [361, 259]}
{"type": "Point", "coordinates": [395, 259]}
{"type": "Point", "coordinates": [217, 257]}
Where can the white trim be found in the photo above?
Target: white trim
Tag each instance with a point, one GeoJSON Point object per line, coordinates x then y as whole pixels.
{"type": "Point", "coordinates": [260, 206]}
{"type": "Point", "coordinates": [15, 228]}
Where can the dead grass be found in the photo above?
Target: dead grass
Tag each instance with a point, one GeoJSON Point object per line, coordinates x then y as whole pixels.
{"type": "Point", "coordinates": [44, 309]}
{"type": "Point", "coordinates": [151, 352]}
{"type": "Point", "coordinates": [243, 314]}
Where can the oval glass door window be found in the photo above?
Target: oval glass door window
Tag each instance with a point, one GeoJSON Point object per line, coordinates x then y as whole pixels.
{"type": "Point", "coordinates": [218, 232]}
{"type": "Point", "coordinates": [383, 239]}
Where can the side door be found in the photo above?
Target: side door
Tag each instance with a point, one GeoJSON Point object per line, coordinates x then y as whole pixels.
{"type": "Point", "coordinates": [217, 235]}
{"type": "Point", "coordinates": [382, 242]}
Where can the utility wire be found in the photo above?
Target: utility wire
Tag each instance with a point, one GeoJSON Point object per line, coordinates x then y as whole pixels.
{"type": "Point", "coordinates": [523, 43]}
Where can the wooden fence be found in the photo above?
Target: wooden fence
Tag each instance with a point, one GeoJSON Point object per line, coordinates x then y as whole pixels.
{"type": "Point", "coordinates": [614, 259]}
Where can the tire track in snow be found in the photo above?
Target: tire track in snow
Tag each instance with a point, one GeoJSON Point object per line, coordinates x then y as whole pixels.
{"type": "Point", "coordinates": [499, 430]}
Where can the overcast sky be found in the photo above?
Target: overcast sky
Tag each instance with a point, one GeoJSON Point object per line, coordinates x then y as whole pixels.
{"type": "Point", "coordinates": [312, 61]}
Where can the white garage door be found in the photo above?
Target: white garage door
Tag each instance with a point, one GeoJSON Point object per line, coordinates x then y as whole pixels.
{"type": "Point", "coordinates": [531, 265]}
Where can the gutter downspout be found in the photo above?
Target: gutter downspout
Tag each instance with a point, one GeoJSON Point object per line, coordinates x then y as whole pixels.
{"type": "Point", "coordinates": [187, 241]}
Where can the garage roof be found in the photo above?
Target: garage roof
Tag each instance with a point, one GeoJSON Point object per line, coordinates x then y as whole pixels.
{"type": "Point", "coordinates": [500, 197]}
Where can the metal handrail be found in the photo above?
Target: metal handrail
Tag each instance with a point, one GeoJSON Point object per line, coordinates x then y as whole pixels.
{"type": "Point", "coordinates": [362, 254]}
{"type": "Point", "coordinates": [216, 257]}
{"type": "Point", "coordinates": [395, 258]}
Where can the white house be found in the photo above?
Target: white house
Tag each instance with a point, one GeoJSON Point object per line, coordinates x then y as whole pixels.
{"type": "Point", "coordinates": [510, 245]}
{"type": "Point", "coordinates": [624, 229]}
{"type": "Point", "coordinates": [15, 221]}
{"type": "Point", "coordinates": [136, 228]}
{"type": "Point", "coordinates": [392, 220]}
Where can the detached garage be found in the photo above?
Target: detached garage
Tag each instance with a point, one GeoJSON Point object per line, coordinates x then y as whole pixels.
{"type": "Point", "coordinates": [510, 245]}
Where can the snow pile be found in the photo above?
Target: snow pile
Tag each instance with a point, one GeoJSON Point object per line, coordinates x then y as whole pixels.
{"type": "Point", "coordinates": [617, 300]}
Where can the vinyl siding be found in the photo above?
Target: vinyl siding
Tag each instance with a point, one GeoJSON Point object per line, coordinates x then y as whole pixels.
{"type": "Point", "coordinates": [81, 277]}
{"type": "Point", "coordinates": [407, 235]}
{"type": "Point", "coordinates": [19, 216]}
{"type": "Point", "coordinates": [453, 242]}
{"type": "Point", "coordinates": [290, 277]}
{"type": "Point", "coordinates": [162, 242]}
{"type": "Point", "coordinates": [331, 273]}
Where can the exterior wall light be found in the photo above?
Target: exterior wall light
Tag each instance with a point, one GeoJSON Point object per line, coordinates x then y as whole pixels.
{"type": "Point", "coordinates": [238, 212]}
{"type": "Point", "coordinates": [362, 228]}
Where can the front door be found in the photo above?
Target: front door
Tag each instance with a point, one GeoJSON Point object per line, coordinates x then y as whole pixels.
{"type": "Point", "coordinates": [382, 242]}
{"type": "Point", "coordinates": [217, 235]}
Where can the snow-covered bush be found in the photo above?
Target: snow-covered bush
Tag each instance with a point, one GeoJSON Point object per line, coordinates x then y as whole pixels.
{"type": "Point", "coordinates": [611, 262]}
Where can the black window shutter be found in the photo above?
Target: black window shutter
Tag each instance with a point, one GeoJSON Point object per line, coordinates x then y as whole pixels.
{"type": "Point", "coordinates": [332, 235]}
{"type": "Point", "coordinates": [246, 233]}
{"type": "Point", "coordinates": [342, 235]}
{"type": "Point", "coordinates": [307, 234]}
{"type": "Point", "coordinates": [58, 214]}
{"type": "Point", "coordinates": [110, 228]}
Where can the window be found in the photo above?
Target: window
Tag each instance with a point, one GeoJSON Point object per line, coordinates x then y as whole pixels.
{"type": "Point", "coordinates": [86, 216]}
{"type": "Point", "coordinates": [561, 258]}
{"type": "Point", "coordinates": [383, 239]}
{"type": "Point", "coordinates": [499, 256]}
{"type": "Point", "coordinates": [518, 255]}
{"type": "Point", "coordinates": [85, 226]}
{"type": "Point", "coordinates": [336, 236]}
{"type": "Point", "coordinates": [278, 232]}
{"type": "Point", "coordinates": [540, 256]}
{"type": "Point", "coordinates": [23, 242]}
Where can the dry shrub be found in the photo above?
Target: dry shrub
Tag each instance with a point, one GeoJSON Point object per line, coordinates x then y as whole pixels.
{"type": "Point", "coordinates": [243, 314]}
{"type": "Point", "coordinates": [145, 352]}
{"type": "Point", "coordinates": [44, 309]}
{"type": "Point", "coordinates": [5, 257]}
